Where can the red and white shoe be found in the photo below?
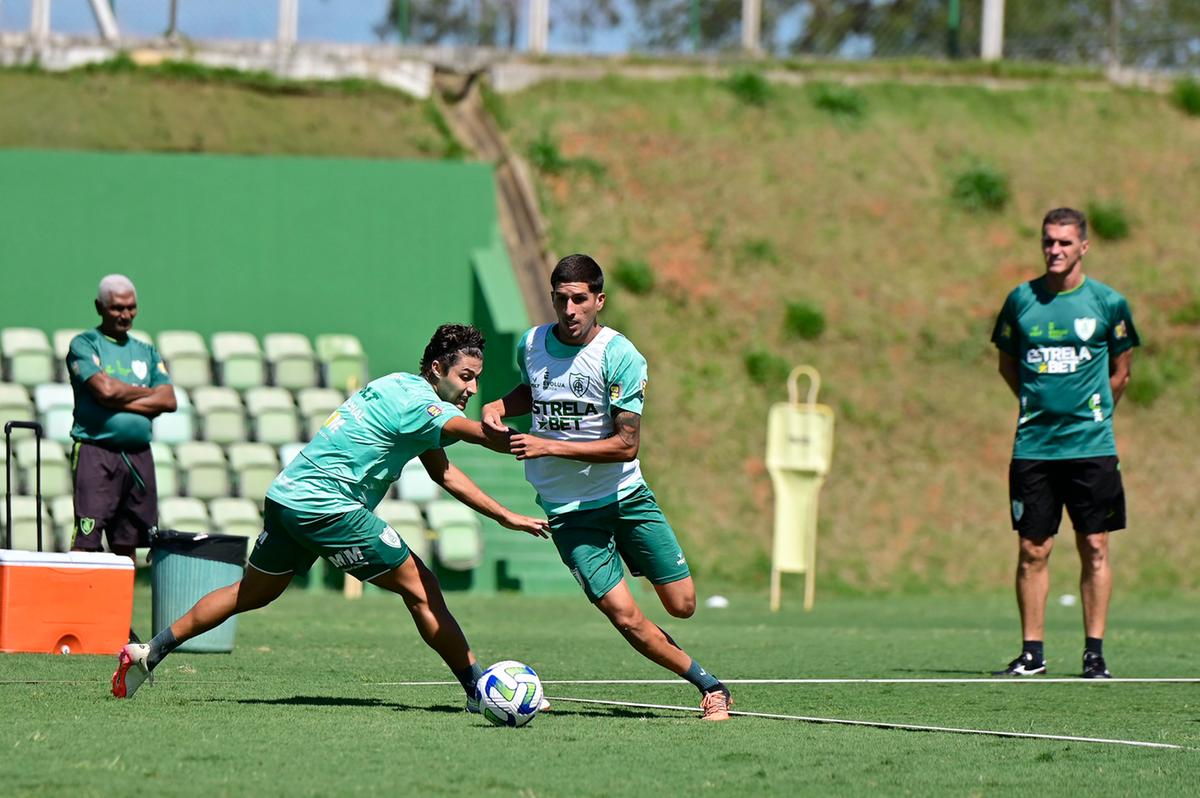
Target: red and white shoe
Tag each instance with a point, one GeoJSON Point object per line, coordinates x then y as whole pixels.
{"type": "Point", "coordinates": [131, 670]}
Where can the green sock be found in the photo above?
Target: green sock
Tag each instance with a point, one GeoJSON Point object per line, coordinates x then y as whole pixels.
{"type": "Point", "coordinates": [163, 644]}
{"type": "Point", "coordinates": [468, 676]}
{"type": "Point", "coordinates": [705, 682]}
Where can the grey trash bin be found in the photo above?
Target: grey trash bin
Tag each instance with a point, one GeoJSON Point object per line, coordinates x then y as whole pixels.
{"type": "Point", "coordinates": [185, 567]}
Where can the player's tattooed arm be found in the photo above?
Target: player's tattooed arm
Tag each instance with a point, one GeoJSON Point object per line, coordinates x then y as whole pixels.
{"type": "Point", "coordinates": [629, 429]}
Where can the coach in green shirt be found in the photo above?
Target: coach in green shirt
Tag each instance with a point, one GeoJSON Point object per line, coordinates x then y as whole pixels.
{"type": "Point", "coordinates": [1065, 344]}
{"type": "Point", "coordinates": [120, 385]}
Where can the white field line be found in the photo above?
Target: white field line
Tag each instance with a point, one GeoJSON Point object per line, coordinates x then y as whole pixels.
{"type": "Point", "coordinates": [885, 725]}
{"type": "Point", "coordinates": [1004, 680]}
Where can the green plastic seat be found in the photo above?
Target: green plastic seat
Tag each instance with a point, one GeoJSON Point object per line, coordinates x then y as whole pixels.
{"type": "Point", "coordinates": [457, 543]}
{"type": "Point", "coordinates": [183, 513]}
{"type": "Point", "coordinates": [56, 467]}
{"type": "Point", "coordinates": [187, 358]}
{"type": "Point", "coordinates": [62, 512]}
{"type": "Point", "coordinates": [316, 404]}
{"type": "Point", "coordinates": [415, 485]}
{"type": "Point", "coordinates": [239, 360]}
{"type": "Point", "coordinates": [254, 466]}
{"type": "Point", "coordinates": [343, 362]}
{"type": "Point", "coordinates": [55, 402]}
{"type": "Point", "coordinates": [24, 525]}
{"type": "Point", "coordinates": [273, 415]}
{"type": "Point", "coordinates": [179, 426]}
{"type": "Point", "coordinates": [15, 404]}
{"type": "Point", "coordinates": [235, 516]}
{"type": "Point", "coordinates": [405, 518]}
{"type": "Point", "coordinates": [293, 364]}
{"type": "Point", "coordinates": [204, 469]}
{"type": "Point", "coordinates": [28, 358]}
{"type": "Point", "coordinates": [166, 473]}
{"type": "Point", "coordinates": [222, 416]}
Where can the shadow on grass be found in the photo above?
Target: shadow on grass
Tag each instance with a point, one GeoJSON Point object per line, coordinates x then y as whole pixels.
{"type": "Point", "coordinates": [337, 701]}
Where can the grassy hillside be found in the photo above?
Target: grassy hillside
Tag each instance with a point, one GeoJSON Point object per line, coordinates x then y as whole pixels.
{"type": "Point", "coordinates": [743, 201]}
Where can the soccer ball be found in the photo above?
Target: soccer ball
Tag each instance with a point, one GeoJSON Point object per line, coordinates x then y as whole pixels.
{"type": "Point", "coordinates": [509, 693]}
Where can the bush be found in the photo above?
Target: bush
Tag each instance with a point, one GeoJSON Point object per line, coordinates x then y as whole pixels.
{"type": "Point", "coordinates": [758, 250]}
{"type": "Point", "coordinates": [1186, 95]}
{"type": "Point", "coordinates": [545, 155]}
{"type": "Point", "coordinates": [766, 368]}
{"type": "Point", "coordinates": [804, 320]}
{"type": "Point", "coordinates": [634, 275]}
{"type": "Point", "coordinates": [981, 188]}
{"type": "Point", "coordinates": [1188, 314]}
{"type": "Point", "coordinates": [750, 87]}
{"type": "Point", "coordinates": [838, 100]}
{"type": "Point", "coordinates": [1108, 220]}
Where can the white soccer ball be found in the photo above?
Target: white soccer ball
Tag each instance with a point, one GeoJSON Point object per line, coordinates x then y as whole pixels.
{"type": "Point", "coordinates": [509, 693]}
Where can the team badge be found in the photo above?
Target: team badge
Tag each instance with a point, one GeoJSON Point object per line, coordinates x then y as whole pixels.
{"type": "Point", "coordinates": [434, 410]}
{"type": "Point", "coordinates": [86, 525]}
{"type": "Point", "coordinates": [1018, 508]}
{"type": "Point", "coordinates": [1006, 330]}
{"type": "Point", "coordinates": [1085, 327]}
{"type": "Point", "coordinates": [391, 538]}
{"type": "Point", "coordinates": [614, 393]}
{"type": "Point", "coordinates": [579, 383]}
{"type": "Point", "coordinates": [1120, 331]}
{"type": "Point", "coordinates": [140, 370]}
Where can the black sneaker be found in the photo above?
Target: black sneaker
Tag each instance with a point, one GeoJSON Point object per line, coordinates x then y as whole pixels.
{"type": "Point", "coordinates": [1024, 665]}
{"type": "Point", "coordinates": [1094, 667]}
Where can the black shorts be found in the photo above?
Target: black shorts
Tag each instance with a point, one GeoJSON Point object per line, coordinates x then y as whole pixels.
{"type": "Point", "coordinates": [1090, 488]}
{"type": "Point", "coordinates": [115, 493]}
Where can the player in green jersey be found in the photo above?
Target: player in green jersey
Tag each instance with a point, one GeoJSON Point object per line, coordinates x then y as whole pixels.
{"type": "Point", "coordinates": [1065, 345]}
{"type": "Point", "coordinates": [321, 505]}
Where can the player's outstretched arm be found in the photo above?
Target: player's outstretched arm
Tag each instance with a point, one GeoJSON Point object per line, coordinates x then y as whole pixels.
{"type": "Point", "coordinates": [464, 429]}
{"type": "Point", "coordinates": [517, 402]}
{"type": "Point", "coordinates": [620, 447]}
{"type": "Point", "coordinates": [460, 486]}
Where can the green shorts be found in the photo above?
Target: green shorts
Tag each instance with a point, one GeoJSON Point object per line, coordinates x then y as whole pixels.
{"type": "Point", "coordinates": [588, 541]}
{"type": "Point", "coordinates": [357, 542]}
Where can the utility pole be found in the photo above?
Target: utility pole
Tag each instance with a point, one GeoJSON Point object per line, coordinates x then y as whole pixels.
{"type": "Point", "coordinates": [289, 23]}
{"type": "Point", "coordinates": [39, 21]}
{"type": "Point", "coordinates": [752, 26]}
{"type": "Point", "coordinates": [539, 26]}
{"type": "Point", "coordinates": [106, 20]}
{"type": "Point", "coordinates": [1114, 34]}
{"type": "Point", "coordinates": [991, 45]}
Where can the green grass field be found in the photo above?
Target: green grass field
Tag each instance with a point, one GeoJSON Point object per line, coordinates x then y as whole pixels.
{"type": "Point", "coordinates": [301, 707]}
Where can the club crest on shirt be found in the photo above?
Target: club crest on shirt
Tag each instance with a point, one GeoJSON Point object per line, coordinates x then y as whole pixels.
{"type": "Point", "coordinates": [140, 369]}
{"type": "Point", "coordinates": [579, 383]}
{"type": "Point", "coordinates": [1085, 327]}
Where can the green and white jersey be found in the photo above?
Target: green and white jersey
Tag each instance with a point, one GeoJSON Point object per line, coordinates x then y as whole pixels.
{"type": "Point", "coordinates": [575, 391]}
{"type": "Point", "coordinates": [359, 452]}
{"type": "Point", "coordinates": [131, 361]}
{"type": "Point", "coordinates": [1062, 343]}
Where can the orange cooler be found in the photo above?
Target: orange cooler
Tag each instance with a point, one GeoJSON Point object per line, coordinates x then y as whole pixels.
{"type": "Point", "coordinates": [73, 603]}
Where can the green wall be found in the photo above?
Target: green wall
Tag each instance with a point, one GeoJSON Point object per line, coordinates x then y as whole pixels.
{"type": "Point", "coordinates": [381, 249]}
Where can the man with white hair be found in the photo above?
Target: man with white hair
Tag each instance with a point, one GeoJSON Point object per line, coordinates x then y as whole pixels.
{"type": "Point", "coordinates": [120, 384]}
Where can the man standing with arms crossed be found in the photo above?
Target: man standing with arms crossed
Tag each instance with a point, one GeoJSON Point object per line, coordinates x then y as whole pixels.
{"type": "Point", "coordinates": [1065, 345]}
{"type": "Point", "coordinates": [584, 385]}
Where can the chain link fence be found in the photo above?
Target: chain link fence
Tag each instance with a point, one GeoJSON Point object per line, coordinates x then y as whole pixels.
{"type": "Point", "coordinates": [1140, 34]}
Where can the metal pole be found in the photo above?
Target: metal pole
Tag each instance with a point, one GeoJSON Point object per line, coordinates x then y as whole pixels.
{"type": "Point", "coordinates": [1114, 33]}
{"type": "Point", "coordinates": [752, 26]}
{"type": "Point", "coordinates": [695, 25]}
{"type": "Point", "coordinates": [39, 20]}
{"type": "Point", "coordinates": [289, 23]}
{"type": "Point", "coordinates": [991, 45]}
{"type": "Point", "coordinates": [539, 26]}
{"type": "Point", "coordinates": [106, 20]}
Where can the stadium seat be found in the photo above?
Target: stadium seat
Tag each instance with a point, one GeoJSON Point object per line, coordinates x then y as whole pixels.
{"type": "Point", "coordinates": [292, 361]}
{"type": "Point", "coordinates": [239, 360]}
{"type": "Point", "coordinates": [222, 417]}
{"type": "Point", "coordinates": [457, 540]}
{"type": "Point", "coordinates": [184, 514]}
{"type": "Point", "coordinates": [166, 474]}
{"type": "Point", "coordinates": [55, 402]}
{"type": "Point", "coordinates": [56, 467]}
{"type": "Point", "coordinates": [288, 452]}
{"type": "Point", "coordinates": [24, 525]}
{"type": "Point", "coordinates": [254, 468]}
{"type": "Point", "coordinates": [28, 358]}
{"type": "Point", "coordinates": [405, 518]}
{"type": "Point", "coordinates": [415, 485]}
{"type": "Point", "coordinates": [179, 426]}
{"type": "Point", "coordinates": [62, 511]}
{"type": "Point", "coordinates": [315, 406]}
{"type": "Point", "coordinates": [187, 358]}
{"type": "Point", "coordinates": [235, 516]}
{"type": "Point", "coordinates": [14, 403]}
{"type": "Point", "coordinates": [141, 335]}
{"type": "Point", "coordinates": [273, 415]}
{"type": "Point", "coordinates": [203, 468]}
{"type": "Point", "coordinates": [62, 346]}
{"type": "Point", "coordinates": [343, 362]}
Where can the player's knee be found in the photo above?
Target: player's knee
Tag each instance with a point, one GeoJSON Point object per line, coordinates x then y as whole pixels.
{"type": "Point", "coordinates": [682, 607]}
{"type": "Point", "coordinates": [626, 619]}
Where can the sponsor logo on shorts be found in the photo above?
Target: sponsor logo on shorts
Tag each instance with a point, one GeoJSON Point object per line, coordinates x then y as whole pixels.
{"type": "Point", "coordinates": [262, 538]}
{"type": "Point", "coordinates": [434, 411]}
{"type": "Point", "coordinates": [391, 538]}
{"type": "Point", "coordinates": [1018, 509]}
{"type": "Point", "coordinates": [348, 558]}
{"type": "Point", "coordinates": [140, 369]}
{"type": "Point", "coordinates": [682, 560]}
{"type": "Point", "coordinates": [1085, 327]}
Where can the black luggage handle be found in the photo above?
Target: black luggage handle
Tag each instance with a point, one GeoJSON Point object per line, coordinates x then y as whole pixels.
{"type": "Point", "coordinates": [9, 426]}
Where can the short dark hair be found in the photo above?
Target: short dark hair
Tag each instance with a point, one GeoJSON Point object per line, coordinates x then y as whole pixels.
{"type": "Point", "coordinates": [578, 269]}
{"type": "Point", "coordinates": [1067, 216]}
{"type": "Point", "coordinates": [447, 343]}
